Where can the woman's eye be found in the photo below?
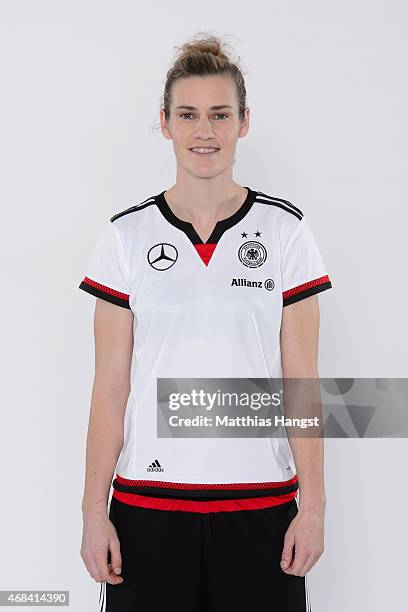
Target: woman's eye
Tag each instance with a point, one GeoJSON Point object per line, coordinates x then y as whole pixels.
{"type": "Point", "coordinates": [191, 114]}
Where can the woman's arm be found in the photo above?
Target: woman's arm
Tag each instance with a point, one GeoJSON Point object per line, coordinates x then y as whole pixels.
{"type": "Point", "coordinates": [299, 350]}
{"type": "Point", "coordinates": [113, 331]}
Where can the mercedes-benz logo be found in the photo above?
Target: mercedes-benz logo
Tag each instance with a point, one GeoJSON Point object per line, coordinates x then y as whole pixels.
{"type": "Point", "coordinates": [162, 256]}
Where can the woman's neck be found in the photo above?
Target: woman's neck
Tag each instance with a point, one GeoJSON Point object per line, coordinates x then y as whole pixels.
{"type": "Point", "coordinates": [206, 205]}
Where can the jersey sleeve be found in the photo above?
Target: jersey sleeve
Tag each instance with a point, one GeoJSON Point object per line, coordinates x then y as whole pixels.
{"type": "Point", "coordinates": [303, 270]}
{"type": "Point", "coordinates": [106, 275]}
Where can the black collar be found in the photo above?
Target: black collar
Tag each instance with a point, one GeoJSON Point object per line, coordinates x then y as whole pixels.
{"type": "Point", "coordinates": [220, 227]}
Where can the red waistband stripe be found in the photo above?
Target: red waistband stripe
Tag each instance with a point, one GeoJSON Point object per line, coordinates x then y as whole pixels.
{"type": "Point", "coordinates": [186, 505]}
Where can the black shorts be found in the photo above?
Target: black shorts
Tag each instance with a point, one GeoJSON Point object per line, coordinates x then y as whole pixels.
{"type": "Point", "coordinates": [182, 561]}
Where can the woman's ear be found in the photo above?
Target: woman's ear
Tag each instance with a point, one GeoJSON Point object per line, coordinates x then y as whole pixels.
{"type": "Point", "coordinates": [164, 125]}
{"type": "Point", "coordinates": [243, 130]}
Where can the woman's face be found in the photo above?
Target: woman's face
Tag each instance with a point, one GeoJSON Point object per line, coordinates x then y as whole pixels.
{"type": "Point", "coordinates": [204, 113]}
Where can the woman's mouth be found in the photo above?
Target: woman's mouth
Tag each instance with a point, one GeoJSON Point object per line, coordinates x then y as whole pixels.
{"type": "Point", "coordinates": [205, 150]}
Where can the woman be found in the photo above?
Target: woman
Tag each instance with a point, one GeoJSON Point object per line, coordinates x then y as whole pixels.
{"type": "Point", "coordinates": [208, 279]}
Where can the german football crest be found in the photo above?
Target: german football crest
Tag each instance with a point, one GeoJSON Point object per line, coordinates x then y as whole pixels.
{"type": "Point", "coordinates": [252, 254]}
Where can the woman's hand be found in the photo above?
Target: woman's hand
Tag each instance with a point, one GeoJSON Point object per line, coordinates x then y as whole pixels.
{"type": "Point", "coordinates": [306, 534]}
{"type": "Point", "coordinates": [98, 537]}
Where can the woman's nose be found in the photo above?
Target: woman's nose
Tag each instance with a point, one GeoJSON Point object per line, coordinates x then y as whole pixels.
{"type": "Point", "coordinates": [204, 128]}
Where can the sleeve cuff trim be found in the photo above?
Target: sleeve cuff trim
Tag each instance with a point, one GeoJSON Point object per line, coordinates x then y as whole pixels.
{"type": "Point", "coordinates": [305, 290]}
{"type": "Point", "coordinates": [105, 292]}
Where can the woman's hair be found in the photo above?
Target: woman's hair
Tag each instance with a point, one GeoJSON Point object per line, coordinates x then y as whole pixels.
{"type": "Point", "coordinates": [201, 56]}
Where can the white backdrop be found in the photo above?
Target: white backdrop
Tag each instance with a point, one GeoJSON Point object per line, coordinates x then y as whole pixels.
{"type": "Point", "coordinates": [81, 84]}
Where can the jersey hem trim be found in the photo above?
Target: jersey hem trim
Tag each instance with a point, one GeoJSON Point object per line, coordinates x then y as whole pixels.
{"type": "Point", "coordinates": [204, 491]}
{"type": "Point", "coordinates": [203, 486]}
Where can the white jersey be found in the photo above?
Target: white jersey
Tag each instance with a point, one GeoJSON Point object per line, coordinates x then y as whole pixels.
{"type": "Point", "coordinates": [204, 310]}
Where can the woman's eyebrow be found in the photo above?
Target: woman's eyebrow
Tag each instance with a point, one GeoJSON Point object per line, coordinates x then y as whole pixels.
{"type": "Point", "coordinates": [216, 107]}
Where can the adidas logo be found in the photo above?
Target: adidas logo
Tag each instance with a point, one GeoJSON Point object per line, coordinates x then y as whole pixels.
{"type": "Point", "coordinates": [155, 467]}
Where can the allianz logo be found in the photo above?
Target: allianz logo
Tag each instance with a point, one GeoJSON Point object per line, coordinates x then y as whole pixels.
{"type": "Point", "coordinates": [244, 282]}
